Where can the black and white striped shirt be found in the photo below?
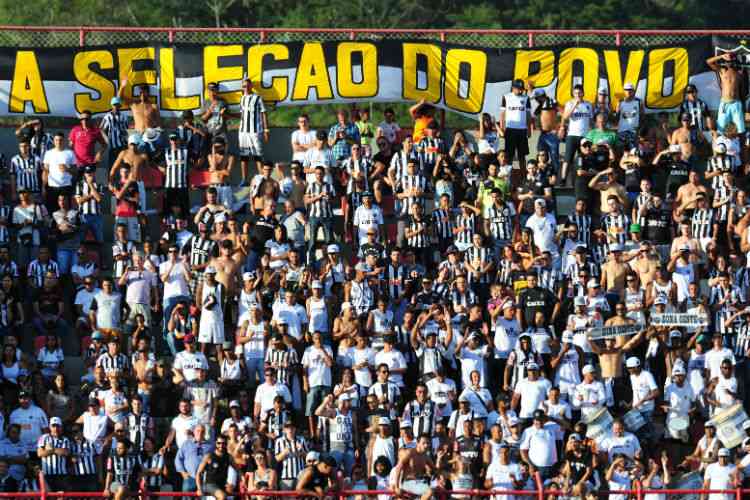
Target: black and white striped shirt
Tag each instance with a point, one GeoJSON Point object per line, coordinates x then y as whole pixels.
{"type": "Point", "coordinates": [27, 171]}
{"type": "Point", "coordinates": [38, 270]}
{"type": "Point", "coordinates": [548, 278]}
{"type": "Point", "coordinates": [124, 469]}
{"type": "Point", "coordinates": [394, 277]}
{"type": "Point", "coordinates": [720, 164]}
{"type": "Point", "coordinates": [320, 208]}
{"type": "Point", "coordinates": [117, 363]}
{"type": "Point", "coordinates": [294, 463]}
{"type": "Point", "coordinates": [429, 149]}
{"type": "Point", "coordinates": [697, 110]}
{"type": "Point", "coordinates": [443, 222]}
{"type": "Point", "coordinates": [54, 465]}
{"type": "Point", "coordinates": [702, 223]}
{"type": "Point", "coordinates": [616, 225]}
{"type": "Point", "coordinates": [155, 461]}
{"type": "Point", "coordinates": [114, 126]}
{"type": "Point", "coordinates": [138, 426]}
{"type": "Point", "coordinates": [285, 358]}
{"type": "Point", "coordinates": [501, 221]}
{"type": "Point", "coordinates": [421, 239]}
{"type": "Point", "coordinates": [352, 165]}
{"type": "Point", "coordinates": [200, 250]}
{"type": "Point", "coordinates": [251, 112]}
{"type": "Point", "coordinates": [399, 162]}
{"type": "Point", "coordinates": [275, 421]}
{"type": "Point", "coordinates": [466, 299]}
{"type": "Point", "coordinates": [583, 222]}
{"type": "Point", "coordinates": [40, 144]}
{"type": "Point", "coordinates": [423, 416]}
{"type": "Point", "coordinates": [469, 224]}
{"type": "Point", "coordinates": [120, 247]}
{"type": "Point", "coordinates": [85, 455]}
{"type": "Point", "coordinates": [177, 166]}
{"type": "Point", "coordinates": [89, 207]}
{"type": "Point", "coordinates": [722, 193]}
{"type": "Point", "coordinates": [407, 183]}
{"type": "Point", "coordinates": [482, 254]}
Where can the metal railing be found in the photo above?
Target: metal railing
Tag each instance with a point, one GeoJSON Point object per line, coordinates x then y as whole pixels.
{"type": "Point", "coordinates": [540, 493]}
{"type": "Point", "coordinates": [58, 36]}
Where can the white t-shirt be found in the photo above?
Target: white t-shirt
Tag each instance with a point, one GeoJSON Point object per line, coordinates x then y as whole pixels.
{"type": "Point", "coordinates": [394, 359]}
{"type": "Point", "coordinates": [678, 398]}
{"type": "Point", "coordinates": [84, 299]}
{"type": "Point", "coordinates": [720, 477]}
{"type": "Point", "coordinates": [532, 393]}
{"type": "Point", "coordinates": [175, 284]}
{"type": "Point", "coordinates": [390, 131]}
{"type": "Point", "coordinates": [295, 316]}
{"type": "Point", "coordinates": [579, 121]}
{"type": "Point", "coordinates": [723, 388]}
{"type": "Point", "coordinates": [52, 161]}
{"type": "Point", "coordinates": [183, 428]}
{"type": "Point", "coordinates": [516, 109]}
{"type": "Point", "coordinates": [540, 443]}
{"type": "Point", "coordinates": [502, 477]}
{"type": "Point", "coordinates": [473, 359]}
{"type": "Point", "coordinates": [642, 384]}
{"type": "Point", "coordinates": [620, 482]}
{"type": "Point", "coordinates": [318, 373]}
{"type": "Point", "coordinates": [188, 362]}
{"type": "Point", "coordinates": [266, 393]}
{"type": "Point", "coordinates": [439, 394]}
{"type": "Point", "coordinates": [627, 444]}
{"type": "Point", "coordinates": [589, 397]}
{"type": "Point", "coordinates": [32, 421]}
{"type": "Point", "coordinates": [303, 139]}
{"type": "Point", "coordinates": [506, 336]}
{"type": "Point", "coordinates": [366, 219]}
{"type": "Point", "coordinates": [714, 359]}
{"type": "Point", "coordinates": [544, 229]}
{"type": "Point", "coordinates": [363, 376]}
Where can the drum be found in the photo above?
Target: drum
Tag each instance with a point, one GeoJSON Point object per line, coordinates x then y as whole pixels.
{"type": "Point", "coordinates": [634, 420]}
{"type": "Point", "coordinates": [729, 426]}
{"type": "Point", "coordinates": [598, 424]}
{"type": "Point", "coordinates": [677, 426]}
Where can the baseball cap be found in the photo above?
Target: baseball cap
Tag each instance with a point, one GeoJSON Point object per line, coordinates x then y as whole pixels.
{"type": "Point", "coordinates": [720, 148]}
{"type": "Point", "coordinates": [210, 270]}
{"type": "Point", "coordinates": [451, 249]}
{"type": "Point", "coordinates": [746, 425]}
{"type": "Point", "coordinates": [333, 248]}
{"type": "Point", "coordinates": [508, 304]}
{"type": "Point", "coordinates": [248, 276]}
{"type": "Point", "coordinates": [567, 337]}
{"type": "Point", "coordinates": [532, 366]}
{"type": "Point", "coordinates": [405, 424]}
{"type": "Point", "coordinates": [188, 339]}
{"type": "Point", "coordinates": [660, 300]}
{"type": "Point", "coordinates": [633, 362]}
{"type": "Point", "coordinates": [723, 452]}
{"type": "Point", "coordinates": [55, 421]}
{"type": "Point", "coordinates": [234, 404]}
{"type": "Point", "coordinates": [24, 394]}
{"type": "Point", "coordinates": [384, 421]}
{"type": "Point", "coordinates": [746, 442]}
{"type": "Point", "coordinates": [539, 93]}
{"type": "Point", "coordinates": [585, 140]}
{"type": "Point", "coordinates": [675, 334]}
{"type": "Point", "coordinates": [317, 284]}
{"type": "Point", "coordinates": [678, 370]}
{"type": "Point", "coordinates": [518, 84]}
{"type": "Point", "coordinates": [615, 247]}
{"type": "Point", "coordinates": [345, 305]}
{"type": "Point", "coordinates": [690, 88]}
{"type": "Point", "coordinates": [93, 402]}
{"type": "Point", "coordinates": [134, 139]}
{"type": "Point", "coordinates": [213, 86]}
{"type": "Point", "coordinates": [344, 397]}
{"type": "Point", "coordinates": [674, 148]}
{"type": "Point", "coordinates": [592, 284]}
{"type": "Point", "coordinates": [588, 369]}
{"type": "Point", "coordinates": [540, 202]}
{"type": "Point", "coordinates": [512, 421]}
{"type": "Point", "coordinates": [115, 101]}
{"type": "Point", "coordinates": [579, 301]}
{"type": "Point", "coordinates": [539, 415]}
{"type": "Point", "coordinates": [97, 335]}
{"type": "Point", "coordinates": [463, 398]}
{"type": "Point", "coordinates": [361, 266]}
{"type": "Point", "coordinates": [628, 86]}
{"type": "Point", "coordinates": [709, 423]}
{"type": "Point", "coordinates": [312, 456]}
{"type": "Point", "coordinates": [603, 91]}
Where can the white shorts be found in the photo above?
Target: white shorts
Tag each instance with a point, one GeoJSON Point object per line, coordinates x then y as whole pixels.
{"type": "Point", "coordinates": [251, 145]}
{"type": "Point", "coordinates": [415, 487]}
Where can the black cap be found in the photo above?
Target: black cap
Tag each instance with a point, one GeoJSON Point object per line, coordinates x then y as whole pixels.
{"type": "Point", "coordinates": [213, 86]}
{"type": "Point", "coordinates": [219, 140]}
{"type": "Point", "coordinates": [540, 415]}
{"type": "Point", "coordinates": [173, 137]}
{"type": "Point", "coordinates": [187, 114]}
{"type": "Point", "coordinates": [24, 394]}
{"type": "Point", "coordinates": [329, 461]}
{"type": "Point", "coordinates": [89, 169]}
{"type": "Point", "coordinates": [691, 88]}
{"type": "Point", "coordinates": [518, 84]}
{"type": "Point", "coordinates": [321, 135]}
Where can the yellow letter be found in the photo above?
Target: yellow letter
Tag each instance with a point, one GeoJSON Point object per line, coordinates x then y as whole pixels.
{"type": "Point", "coordinates": [345, 84]}
{"type": "Point", "coordinates": [27, 84]}
{"type": "Point", "coordinates": [86, 76]}
{"type": "Point", "coordinates": [614, 74]}
{"type": "Point", "coordinates": [312, 72]}
{"type": "Point", "coordinates": [655, 97]}
{"type": "Point", "coordinates": [546, 61]}
{"type": "Point", "coordinates": [125, 60]}
{"type": "Point", "coordinates": [433, 54]}
{"type": "Point", "coordinates": [168, 93]}
{"type": "Point", "coordinates": [590, 61]}
{"type": "Point", "coordinates": [279, 84]}
{"type": "Point", "coordinates": [474, 94]}
{"type": "Point", "coordinates": [213, 73]}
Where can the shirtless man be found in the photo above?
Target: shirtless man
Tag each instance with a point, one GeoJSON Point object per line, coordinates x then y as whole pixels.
{"type": "Point", "coordinates": [220, 164]}
{"type": "Point", "coordinates": [614, 272]}
{"type": "Point", "coordinates": [226, 267]}
{"type": "Point", "coordinates": [145, 113]}
{"type": "Point", "coordinates": [208, 211]}
{"type": "Point", "coordinates": [545, 116]}
{"type": "Point", "coordinates": [130, 157]}
{"type": "Point", "coordinates": [611, 362]}
{"type": "Point", "coordinates": [415, 469]}
{"type": "Point", "coordinates": [684, 136]}
{"type": "Point", "coordinates": [730, 80]}
{"type": "Point", "coordinates": [690, 190]}
{"type": "Point", "coordinates": [644, 261]}
{"type": "Point", "coordinates": [143, 366]}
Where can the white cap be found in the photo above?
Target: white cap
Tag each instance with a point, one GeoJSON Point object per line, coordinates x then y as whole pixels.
{"type": "Point", "coordinates": [675, 334]}
{"type": "Point", "coordinates": [684, 248]}
{"type": "Point", "coordinates": [312, 456]}
{"type": "Point", "coordinates": [580, 301]}
{"type": "Point", "coordinates": [633, 362]}
{"type": "Point", "coordinates": [540, 202]}
{"type": "Point", "coordinates": [508, 304]}
{"type": "Point", "coordinates": [150, 135]}
{"type": "Point", "coordinates": [345, 305]}
{"type": "Point", "coordinates": [512, 421]}
{"type": "Point", "coordinates": [589, 369]}
{"type": "Point", "coordinates": [567, 337]}
{"type": "Point", "coordinates": [55, 421]}
{"type": "Point", "coordinates": [678, 370]}
{"type": "Point", "coordinates": [361, 266]}
{"type": "Point", "coordinates": [210, 270]}
{"type": "Point", "coordinates": [674, 148]}
{"type": "Point", "coordinates": [405, 424]}
{"type": "Point", "coordinates": [384, 421]}
{"type": "Point", "coordinates": [592, 284]}
{"type": "Point", "coordinates": [603, 91]}
{"type": "Point", "coordinates": [628, 86]}
{"type": "Point", "coordinates": [344, 397]}
{"type": "Point", "coordinates": [723, 452]}
{"type": "Point", "coordinates": [220, 217]}
{"type": "Point", "coordinates": [133, 139]}
{"type": "Point", "coordinates": [333, 248]}
{"type": "Point", "coordinates": [746, 441]}
{"type": "Point", "coordinates": [615, 247]}
{"type": "Point", "coordinates": [660, 299]}
{"type": "Point", "coordinates": [248, 276]}
{"type": "Point", "coordinates": [463, 398]}
{"type": "Point", "coordinates": [239, 350]}
{"type": "Point", "coordinates": [234, 404]}
{"type": "Point", "coordinates": [532, 366]}
{"type": "Point", "coordinates": [317, 284]}
{"type": "Point", "coordinates": [746, 425]}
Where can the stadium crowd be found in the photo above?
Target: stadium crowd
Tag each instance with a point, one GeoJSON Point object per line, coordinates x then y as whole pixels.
{"type": "Point", "coordinates": [397, 309]}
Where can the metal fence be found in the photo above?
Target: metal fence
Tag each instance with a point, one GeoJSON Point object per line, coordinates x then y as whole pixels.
{"type": "Point", "coordinates": [70, 36]}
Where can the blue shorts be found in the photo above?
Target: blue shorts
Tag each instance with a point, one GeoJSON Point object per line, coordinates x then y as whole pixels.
{"type": "Point", "coordinates": [731, 111]}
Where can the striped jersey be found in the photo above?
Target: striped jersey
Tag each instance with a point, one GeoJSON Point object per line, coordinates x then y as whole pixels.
{"type": "Point", "coordinates": [697, 110]}
{"type": "Point", "coordinates": [54, 465]}
{"type": "Point", "coordinates": [177, 167]}
{"type": "Point", "coordinates": [407, 183]}
{"type": "Point", "coordinates": [155, 461]}
{"type": "Point", "coordinates": [27, 172]}
{"type": "Point", "coordinates": [275, 421]}
{"type": "Point", "coordinates": [41, 143]}
{"type": "Point", "coordinates": [423, 416]}
{"type": "Point", "coordinates": [124, 469]}
{"type": "Point", "coordinates": [617, 226]}
{"type": "Point", "coordinates": [322, 207]}
{"type": "Point", "coordinates": [734, 298]}
{"type": "Point", "coordinates": [399, 162]}
{"type": "Point", "coordinates": [722, 193]}
{"type": "Point", "coordinates": [442, 221]}
{"type": "Point", "coordinates": [293, 465]}
{"type": "Point", "coordinates": [468, 223]}
{"type": "Point", "coordinates": [394, 278]}
{"type": "Point", "coordinates": [114, 126]}
{"type": "Point", "coordinates": [341, 429]}
{"type": "Point", "coordinates": [583, 222]}
{"type": "Point", "coordinates": [422, 238]}
{"type": "Point", "coordinates": [702, 223]}
{"type": "Point", "coordinates": [85, 458]}
{"type": "Point", "coordinates": [286, 360]}
{"type": "Point", "coordinates": [429, 149]}
{"type": "Point", "coordinates": [138, 426]}
{"type": "Point", "coordinates": [118, 248]}
{"type": "Point", "coordinates": [548, 278]}
{"type": "Point", "coordinates": [466, 298]}
{"type": "Point", "coordinates": [199, 249]}
{"type": "Point", "coordinates": [89, 207]}
{"type": "Point", "coordinates": [500, 219]}
{"type": "Point", "coordinates": [37, 271]}
{"type": "Point", "coordinates": [720, 164]}
{"type": "Point", "coordinates": [483, 255]}
{"type": "Point", "coordinates": [117, 363]}
{"type": "Point", "coordinates": [251, 112]}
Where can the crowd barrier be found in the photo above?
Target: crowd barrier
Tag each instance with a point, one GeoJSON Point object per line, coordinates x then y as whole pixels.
{"type": "Point", "coordinates": [539, 493]}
